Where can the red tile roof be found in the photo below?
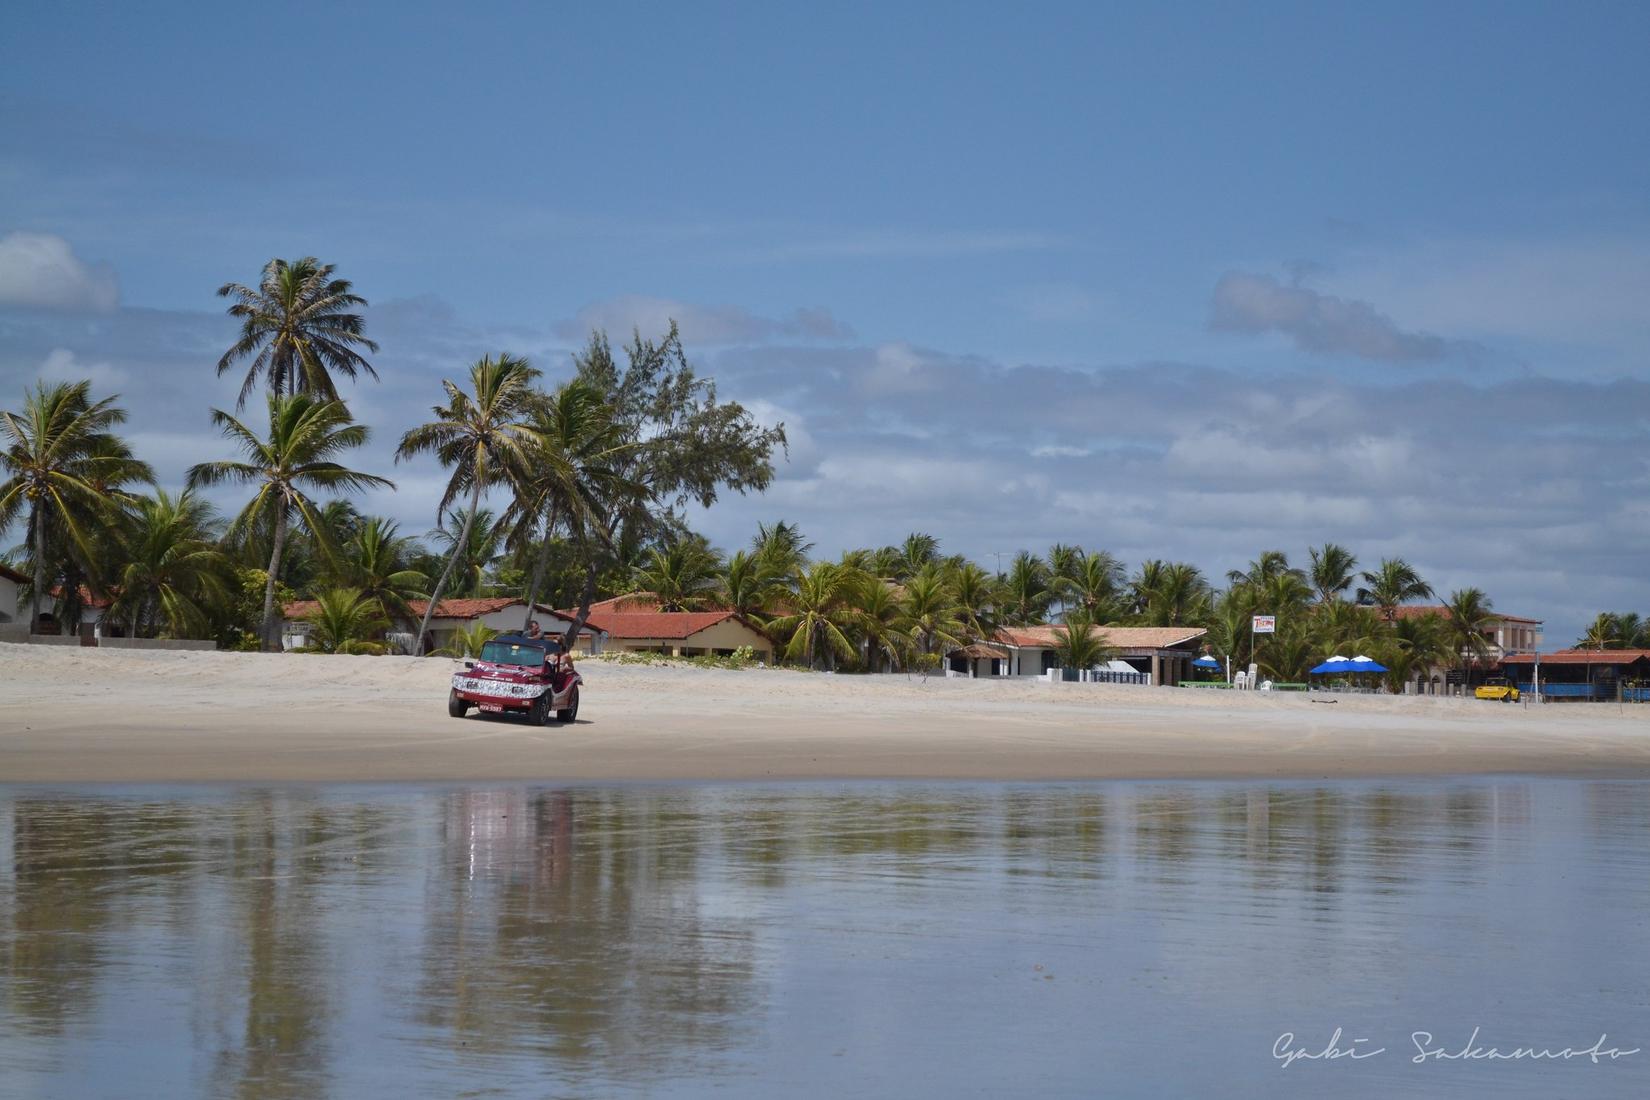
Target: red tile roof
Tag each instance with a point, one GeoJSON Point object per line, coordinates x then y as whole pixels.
{"type": "Point", "coordinates": [1582, 657]}
{"type": "Point", "coordinates": [675, 625]}
{"type": "Point", "coordinates": [1122, 637]}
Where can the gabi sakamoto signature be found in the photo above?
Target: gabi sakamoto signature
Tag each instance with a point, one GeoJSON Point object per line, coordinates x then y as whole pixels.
{"type": "Point", "coordinates": [1287, 1050]}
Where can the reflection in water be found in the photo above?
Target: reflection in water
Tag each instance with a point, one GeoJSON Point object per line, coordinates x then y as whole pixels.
{"type": "Point", "coordinates": [865, 937]}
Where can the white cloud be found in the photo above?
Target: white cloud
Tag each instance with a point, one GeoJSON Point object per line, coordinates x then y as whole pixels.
{"type": "Point", "coordinates": [41, 270]}
{"type": "Point", "coordinates": [1320, 323]}
{"type": "Point", "coordinates": [61, 365]}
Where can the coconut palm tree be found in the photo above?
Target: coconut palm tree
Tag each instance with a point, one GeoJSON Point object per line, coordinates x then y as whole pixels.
{"type": "Point", "coordinates": [822, 615]}
{"type": "Point", "coordinates": [1078, 643]}
{"type": "Point", "coordinates": [66, 470]}
{"type": "Point", "coordinates": [1269, 566]}
{"type": "Point", "coordinates": [341, 617]}
{"type": "Point", "coordinates": [1063, 561]}
{"type": "Point", "coordinates": [781, 546]}
{"type": "Point", "coordinates": [917, 553]}
{"type": "Point", "coordinates": [747, 584]}
{"type": "Point", "coordinates": [1093, 583]}
{"type": "Point", "coordinates": [481, 436]}
{"type": "Point", "coordinates": [573, 473]}
{"type": "Point", "coordinates": [1178, 594]}
{"type": "Point", "coordinates": [1332, 572]}
{"type": "Point", "coordinates": [1604, 632]}
{"type": "Point", "coordinates": [932, 616]}
{"type": "Point", "coordinates": [682, 577]}
{"type": "Point", "coordinates": [467, 641]}
{"type": "Point", "coordinates": [1468, 620]}
{"type": "Point", "coordinates": [483, 544]}
{"type": "Point", "coordinates": [306, 436]}
{"type": "Point", "coordinates": [1410, 646]}
{"type": "Point", "coordinates": [879, 618]}
{"type": "Point", "coordinates": [376, 563]}
{"type": "Point", "coordinates": [977, 594]}
{"type": "Point", "coordinates": [1394, 583]}
{"type": "Point", "coordinates": [174, 572]}
{"type": "Point", "coordinates": [299, 327]}
{"type": "Point", "coordinates": [1026, 593]}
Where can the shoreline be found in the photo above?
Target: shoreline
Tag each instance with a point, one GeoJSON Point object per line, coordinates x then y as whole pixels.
{"type": "Point", "coordinates": [70, 716]}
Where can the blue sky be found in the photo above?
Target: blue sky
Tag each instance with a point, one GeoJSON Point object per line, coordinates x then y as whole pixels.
{"type": "Point", "coordinates": [1185, 282]}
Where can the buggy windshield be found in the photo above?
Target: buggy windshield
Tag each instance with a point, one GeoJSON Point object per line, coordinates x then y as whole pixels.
{"type": "Point", "coordinates": [526, 654]}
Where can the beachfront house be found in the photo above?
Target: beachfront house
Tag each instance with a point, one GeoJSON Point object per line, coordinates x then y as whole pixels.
{"type": "Point", "coordinates": [1602, 675]}
{"type": "Point", "coordinates": [1163, 654]}
{"type": "Point", "coordinates": [12, 609]}
{"type": "Point", "coordinates": [634, 623]}
{"type": "Point", "coordinates": [501, 613]}
{"type": "Point", "coordinates": [1507, 636]}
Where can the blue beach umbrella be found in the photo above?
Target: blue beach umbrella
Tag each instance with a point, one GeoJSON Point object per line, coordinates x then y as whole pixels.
{"type": "Point", "coordinates": [1206, 661]}
{"type": "Point", "coordinates": [1336, 663]}
{"type": "Point", "coordinates": [1360, 663]}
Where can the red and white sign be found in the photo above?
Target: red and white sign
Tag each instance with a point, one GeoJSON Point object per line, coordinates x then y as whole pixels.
{"type": "Point", "coordinates": [1264, 624]}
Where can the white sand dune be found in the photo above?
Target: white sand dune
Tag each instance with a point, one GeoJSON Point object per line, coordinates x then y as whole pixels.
{"type": "Point", "coordinates": [72, 715]}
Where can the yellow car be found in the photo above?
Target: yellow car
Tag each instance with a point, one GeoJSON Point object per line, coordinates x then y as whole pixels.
{"type": "Point", "coordinates": [1496, 689]}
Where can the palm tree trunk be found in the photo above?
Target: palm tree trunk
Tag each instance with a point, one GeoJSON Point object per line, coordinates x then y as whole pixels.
{"type": "Point", "coordinates": [272, 638]}
{"type": "Point", "coordinates": [585, 598]}
{"type": "Point", "coordinates": [539, 567]}
{"type": "Point", "coordinates": [39, 518]}
{"type": "Point", "coordinates": [447, 572]}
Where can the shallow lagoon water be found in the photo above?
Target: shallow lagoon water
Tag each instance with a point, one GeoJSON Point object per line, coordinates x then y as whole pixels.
{"type": "Point", "coordinates": [1124, 939]}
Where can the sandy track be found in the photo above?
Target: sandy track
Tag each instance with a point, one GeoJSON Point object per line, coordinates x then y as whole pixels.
{"type": "Point", "coordinates": [71, 715]}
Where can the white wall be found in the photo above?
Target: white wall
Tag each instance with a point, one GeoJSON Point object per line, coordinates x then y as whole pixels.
{"type": "Point", "coordinates": [11, 605]}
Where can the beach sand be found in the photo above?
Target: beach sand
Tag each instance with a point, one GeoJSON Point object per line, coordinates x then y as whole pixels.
{"type": "Point", "coordinates": [87, 715]}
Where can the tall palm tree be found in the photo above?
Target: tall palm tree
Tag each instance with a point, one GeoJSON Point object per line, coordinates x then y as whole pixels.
{"type": "Point", "coordinates": [65, 468]}
{"type": "Point", "coordinates": [175, 571]}
{"type": "Point", "coordinates": [376, 563]}
{"type": "Point", "coordinates": [1468, 618]}
{"type": "Point", "coordinates": [1178, 593]}
{"type": "Point", "coordinates": [822, 616]}
{"type": "Point", "coordinates": [1332, 572]}
{"type": "Point", "coordinates": [977, 595]}
{"type": "Point", "coordinates": [573, 474]}
{"type": "Point", "coordinates": [917, 552]}
{"type": "Point", "coordinates": [682, 577]}
{"type": "Point", "coordinates": [481, 436]}
{"type": "Point", "coordinates": [306, 437]}
{"type": "Point", "coordinates": [781, 546]}
{"type": "Point", "coordinates": [1604, 632]}
{"type": "Point", "coordinates": [482, 535]}
{"type": "Point", "coordinates": [748, 585]}
{"type": "Point", "coordinates": [1063, 562]}
{"type": "Point", "coordinates": [1026, 592]}
{"type": "Point", "coordinates": [299, 327]}
{"type": "Point", "coordinates": [1270, 565]}
{"type": "Point", "coordinates": [1093, 584]}
{"type": "Point", "coordinates": [879, 617]}
{"type": "Point", "coordinates": [1394, 583]}
{"type": "Point", "coordinates": [932, 617]}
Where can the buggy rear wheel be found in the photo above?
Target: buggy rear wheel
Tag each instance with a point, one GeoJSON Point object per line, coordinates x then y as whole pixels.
{"type": "Point", "coordinates": [571, 710]}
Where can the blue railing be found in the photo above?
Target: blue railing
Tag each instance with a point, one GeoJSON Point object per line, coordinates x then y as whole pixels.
{"type": "Point", "coordinates": [1571, 691]}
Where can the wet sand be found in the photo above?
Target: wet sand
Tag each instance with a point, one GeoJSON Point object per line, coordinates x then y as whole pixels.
{"type": "Point", "coordinates": [76, 716]}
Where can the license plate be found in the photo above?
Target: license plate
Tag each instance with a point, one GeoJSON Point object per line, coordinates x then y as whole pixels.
{"type": "Point", "coordinates": [494, 707]}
